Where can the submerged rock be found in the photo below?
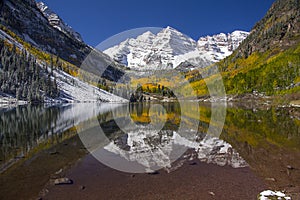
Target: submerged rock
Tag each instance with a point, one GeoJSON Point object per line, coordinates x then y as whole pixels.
{"type": "Point", "coordinates": [81, 187]}
{"type": "Point", "coordinates": [290, 167]}
{"type": "Point", "coordinates": [193, 163]}
{"type": "Point", "coordinates": [153, 173]}
{"type": "Point", "coordinates": [270, 179]}
{"type": "Point", "coordinates": [212, 193]}
{"type": "Point", "coordinates": [59, 171]}
{"type": "Point", "coordinates": [63, 181]}
{"type": "Point", "coordinates": [53, 152]}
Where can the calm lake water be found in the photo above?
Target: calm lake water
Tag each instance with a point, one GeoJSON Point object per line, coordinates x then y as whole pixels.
{"type": "Point", "coordinates": [37, 141]}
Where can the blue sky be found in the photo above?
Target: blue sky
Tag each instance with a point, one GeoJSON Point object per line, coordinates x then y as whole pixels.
{"type": "Point", "coordinates": [98, 20]}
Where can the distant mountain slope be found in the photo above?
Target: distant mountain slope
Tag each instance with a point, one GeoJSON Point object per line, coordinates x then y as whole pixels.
{"type": "Point", "coordinates": [169, 48]}
{"type": "Point", "coordinates": [268, 60]}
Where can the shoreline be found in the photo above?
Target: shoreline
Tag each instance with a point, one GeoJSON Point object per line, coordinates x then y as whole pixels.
{"type": "Point", "coordinates": [254, 99]}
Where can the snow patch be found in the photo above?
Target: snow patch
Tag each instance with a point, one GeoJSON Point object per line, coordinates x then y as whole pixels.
{"type": "Point", "coordinates": [268, 194]}
{"type": "Point", "coordinates": [74, 90]}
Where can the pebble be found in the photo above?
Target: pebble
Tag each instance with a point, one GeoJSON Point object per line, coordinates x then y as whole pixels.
{"type": "Point", "coordinates": [153, 173]}
{"type": "Point", "coordinates": [59, 171]}
{"type": "Point", "coordinates": [193, 163]}
{"type": "Point", "coordinates": [290, 167]}
{"type": "Point", "coordinates": [81, 187]}
{"type": "Point", "coordinates": [270, 179]}
{"type": "Point", "coordinates": [211, 193]}
{"type": "Point", "coordinates": [53, 152]}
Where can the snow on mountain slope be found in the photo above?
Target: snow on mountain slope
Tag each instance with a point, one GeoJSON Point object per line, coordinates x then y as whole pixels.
{"type": "Point", "coordinates": [10, 40]}
{"type": "Point", "coordinates": [71, 88]}
{"type": "Point", "coordinates": [169, 48]}
{"type": "Point", "coordinates": [221, 45]}
{"type": "Point", "coordinates": [74, 90]}
{"type": "Point", "coordinates": [57, 22]}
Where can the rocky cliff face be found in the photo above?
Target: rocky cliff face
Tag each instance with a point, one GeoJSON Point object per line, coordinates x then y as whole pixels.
{"type": "Point", "coordinates": [24, 18]}
{"type": "Point", "coordinates": [267, 61]}
{"type": "Point", "coordinates": [280, 28]}
{"type": "Point", "coordinates": [57, 22]}
{"type": "Point", "coordinates": [36, 24]}
{"type": "Point", "coordinates": [221, 45]}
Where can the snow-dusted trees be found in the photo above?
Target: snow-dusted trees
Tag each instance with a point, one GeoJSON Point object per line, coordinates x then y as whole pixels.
{"type": "Point", "coordinates": [23, 77]}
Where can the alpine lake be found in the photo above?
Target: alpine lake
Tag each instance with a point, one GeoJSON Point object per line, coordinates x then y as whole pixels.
{"type": "Point", "coordinates": [148, 150]}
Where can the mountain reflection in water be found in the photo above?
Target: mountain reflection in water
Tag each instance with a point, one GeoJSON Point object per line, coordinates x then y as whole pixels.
{"type": "Point", "coordinates": [258, 137]}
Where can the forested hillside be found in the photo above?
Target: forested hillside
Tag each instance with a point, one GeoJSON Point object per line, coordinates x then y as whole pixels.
{"type": "Point", "coordinates": [23, 77]}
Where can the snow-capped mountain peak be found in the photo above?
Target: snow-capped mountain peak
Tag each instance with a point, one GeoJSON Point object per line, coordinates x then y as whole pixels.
{"type": "Point", "coordinates": [146, 37]}
{"type": "Point", "coordinates": [175, 40]}
{"type": "Point", "coordinates": [169, 48]}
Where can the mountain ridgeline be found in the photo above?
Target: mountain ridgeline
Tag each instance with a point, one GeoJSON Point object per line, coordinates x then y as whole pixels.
{"type": "Point", "coordinates": [268, 60]}
{"type": "Point", "coordinates": [279, 28]}
{"type": "Point", "coordinates": [170, 48]}
{"type": "Point", "coordinates": [25, 19]}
